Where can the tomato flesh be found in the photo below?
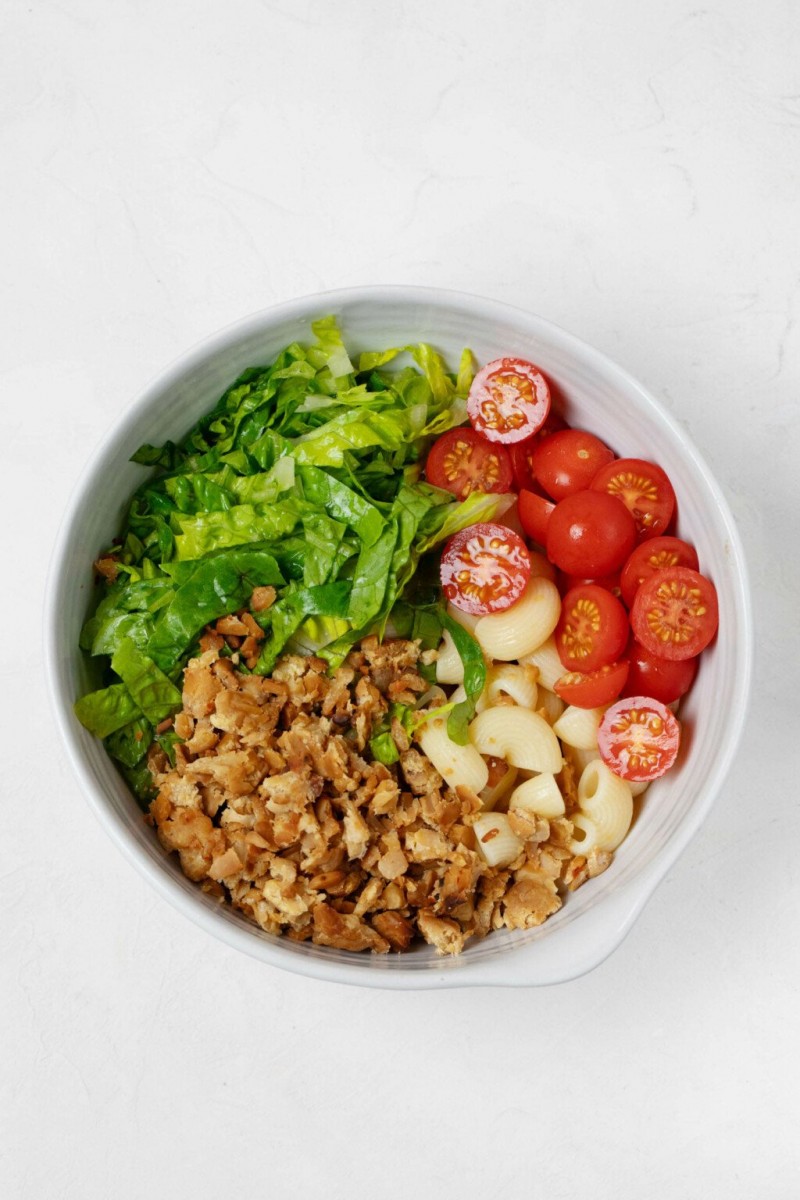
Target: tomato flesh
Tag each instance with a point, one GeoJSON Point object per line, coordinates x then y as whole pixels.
{"type": "Point", "coordinates": [643, 488]}
{"type": "Point", "coordinates": [484, 568]}
{"type": "Point", "coordinates": [567, 461]}
{"type": "Point", "coordinates": [638, 738]}
{"type": "Point", "coordinates": [590, 534]}
{"type": "Point", "coordinates": [592, 630]}
{"type": "Point", "coordinates": [675, 613]}
{"type": "Point", "coordinates": [534, 513]}
{"type": "Point", "coordinates": [509, 400]}
{"type": "Point", "coordinates": [461, 461]}
{"type": "Point", "coordinates": [593, 688]}
{"type": "Point", "coordinates": [664, 679]}
{"type": "Point", "coordinates": [654, 555]}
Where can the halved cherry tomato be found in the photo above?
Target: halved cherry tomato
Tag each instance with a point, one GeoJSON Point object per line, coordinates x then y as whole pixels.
{"type": "Point", "coordinates": [593, 688]}
{"type": "Point", "coordinates": [534, 513]}
{"type": "Point", "coordinates": [638, 739]}
{"type": "Point", "coordinates": [484, 568]}
{"type": "Point", "coordinates": [568, 461]}
{"type": "Point", "coordinates": [509, 400]}
{"type": "Point", "coordinates": [651, 556]}
{"type": "Point", "coordinates": [663, 678]}
{"type": "Point", "coordinates": [675, 613]}
{"type": "Point", "coordinates": [592, 630]}
{"type": "Point", "coordinates": [462, 462]}
{"type": "Point", "coordinates": [643, 488]}
{"type": "Point", "coordinates": [590, 534]}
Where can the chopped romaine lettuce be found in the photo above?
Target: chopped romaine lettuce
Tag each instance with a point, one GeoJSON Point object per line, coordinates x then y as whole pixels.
{"type": "Point", "coordinates": [305, 476]}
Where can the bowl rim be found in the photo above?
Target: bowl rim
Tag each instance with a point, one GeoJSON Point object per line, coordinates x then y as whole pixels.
{"type": "Point", "coordinates": [604, 924]}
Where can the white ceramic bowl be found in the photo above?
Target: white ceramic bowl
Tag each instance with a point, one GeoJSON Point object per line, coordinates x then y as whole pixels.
{"type": "Point", "coordinates": [599, 396]}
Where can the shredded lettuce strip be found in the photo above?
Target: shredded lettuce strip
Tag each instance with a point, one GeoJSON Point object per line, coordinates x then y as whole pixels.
{"type": "Point", "coordinates": [305, 476]}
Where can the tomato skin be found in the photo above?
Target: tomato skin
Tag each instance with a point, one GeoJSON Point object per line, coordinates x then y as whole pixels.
{"type": "Point", "coordinates": [484, 568]}
{"type": "Point", "coordinates": [638, 738]}
{"type": "Point", "coordinates": [509, 400]}
{"type": "Point", "coordinates": [675, 613]}
{"type": "Point", "coordinates": [461, 461]}
{"type": "Point", "coordinates": [567, 461]}
{"type": "Point", "coordinates": [662, 678]}
{"type": "Point", "coordinates": [609, 582]}
{"type": "Point", "coordinates": [592, 630]}
{"type": "Point", "coordinates": [643, 488]}
{"type": "Point", "coordinates": [593, 688]}
{"type": "Point", "coordinates": [590, 534]}
{"type": "Point", "coordinates": [534, 513]}
{"type": "Point", "coordinates": [521, 454]}
{"type": "Point", "coordinates": [653, 555]}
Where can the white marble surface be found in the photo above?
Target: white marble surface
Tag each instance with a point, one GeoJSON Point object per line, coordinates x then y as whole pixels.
{"type": "Point", "coordinates": [626, 169]}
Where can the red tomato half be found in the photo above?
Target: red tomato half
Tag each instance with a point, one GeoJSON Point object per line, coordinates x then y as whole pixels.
{"type": "Point", "coordinates": [643, 488]}
{"type": "Point", "coordinates": [663, 678]}
{"type": "Point", "coordinates": [509, 400]}
{"type": "Point", "coordinates": [534, 513]}
{"type": "Point", "coordinates": [675, 613]}
{"type": "Point", "coordinates": [590, 690]}
{"type": "Point", "coordinates": [484, 569]}
{"type": "Point", "coordinates": [592, 630]}
{"type": "Point", "coordinates": [654, 555]}
{"type": "Point", "coordinates": [590, 534]}
{"type": "Point", "coordinates": [638, 739]}
{"type": "Point", "coordinates": [568, 461]}
{"type": "Point", "coordinates": [462, 462]}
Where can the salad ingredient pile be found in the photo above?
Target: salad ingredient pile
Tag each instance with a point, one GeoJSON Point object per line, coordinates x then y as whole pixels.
{"type": "Point", "coordinates": [379, 674]}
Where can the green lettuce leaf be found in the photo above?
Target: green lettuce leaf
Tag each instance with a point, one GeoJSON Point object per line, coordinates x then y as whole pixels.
{"type": "Point", "coordinates": [220, 583]}
{"type": "Point", "coordinates": [474, 663]}
{"type": "Point", "coordinates": [106, 710]}
{"type": "Point", "coordinates": [155, 694]}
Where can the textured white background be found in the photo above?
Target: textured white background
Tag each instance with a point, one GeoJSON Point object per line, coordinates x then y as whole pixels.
{"type": "Point", "coordinates": [628, 169]}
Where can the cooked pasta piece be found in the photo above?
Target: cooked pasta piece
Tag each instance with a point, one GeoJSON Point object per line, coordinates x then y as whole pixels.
{"type": "Point", "coordinates": [460, 766]}
{"type": "Point", "coordinates": [514, 680]}
{"type": "Point", "coordinates": [580, 758]}
{"type": "Point", "coordinates": [552, 704]}
{"type": "Point", "coordinates": [545, 657]}
{"type": "Point", "coordinates": [518, 630]}
{"type": "Point", "coordinates": [540, 795]}
{"type": "Point", "coordinates": [605, 809]}
{"type": "Point", "coordinates": [496, 840]}
{"type": "Point", "coordinates": [449, 667]}
{"type": "Point", "coordinates": [578, 726]}
{"type": "Point", "coordinates": [521, 737]}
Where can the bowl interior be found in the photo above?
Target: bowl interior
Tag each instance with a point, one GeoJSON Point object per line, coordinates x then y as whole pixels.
{"type": "Point", "coordinates": [594, 393]}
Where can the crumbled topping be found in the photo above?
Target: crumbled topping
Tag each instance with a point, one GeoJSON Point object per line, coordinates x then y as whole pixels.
{"type": "Point", "coordinates": [275, 806]}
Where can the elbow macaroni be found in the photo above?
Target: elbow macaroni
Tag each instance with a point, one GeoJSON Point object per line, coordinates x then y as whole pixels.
{"type": "Point", "coordinates": [449, 667]}
{"type": "Point", "coordinates": [521, 737]}
{"type": "Point", "coordinates": [519, 630]}
{"type": "Point", "coordinates": [578, 726]}
{"type": "Point", "coordinates": [545, 658]}
{"type": "Point", "coordinates": [460, 766]}
{"type": "Point", "coordinates": [606, 809]}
